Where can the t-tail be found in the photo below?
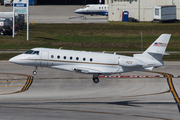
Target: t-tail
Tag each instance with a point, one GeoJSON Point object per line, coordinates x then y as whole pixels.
{"type": "Point", "coordinates": [154, 54]}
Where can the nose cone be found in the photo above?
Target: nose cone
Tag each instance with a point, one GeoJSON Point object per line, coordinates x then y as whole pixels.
{"type": "Point", "coordinates": [11, 60]}
{"type": "Point", "coordinates": [78, 11]}
{"type": "Point", "coordinates": [14, 60]}
{"type": "Point", "coordinates": [17, 59]}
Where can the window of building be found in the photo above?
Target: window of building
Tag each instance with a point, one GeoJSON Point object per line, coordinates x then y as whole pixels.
{"type": "Point", "coordinates": [157, 11]}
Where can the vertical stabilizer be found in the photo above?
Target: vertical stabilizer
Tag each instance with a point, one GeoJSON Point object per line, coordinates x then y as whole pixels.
{"type": "Point", "coordinates": [157, 48]}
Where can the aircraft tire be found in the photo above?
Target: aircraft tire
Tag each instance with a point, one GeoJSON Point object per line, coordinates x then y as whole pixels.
{"type": "Point", "coordinates": [84, 18]}
{"type": "Point", "coordinates": [96, 80]}
{"type": "Point", "coordinates": [34, 72]}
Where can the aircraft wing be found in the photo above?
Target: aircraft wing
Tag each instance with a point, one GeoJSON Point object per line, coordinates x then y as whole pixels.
{"type": "Point", "coordinates": [86, 70]}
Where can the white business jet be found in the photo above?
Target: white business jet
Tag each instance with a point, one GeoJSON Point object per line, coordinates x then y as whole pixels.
{"type": "Point", "coordinates": [93, 9]}
{"type": "Point", "coordinates": [93, 62]}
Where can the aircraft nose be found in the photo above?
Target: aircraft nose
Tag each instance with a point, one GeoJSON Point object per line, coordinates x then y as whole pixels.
{"type": "Point", "coordinates": [13, 60]}
{"type": "Point", "coordinates": [17, 59]}
{"type": "Point", "coordinates": [75, 11]}
{"type": "Point", "coordinates": [78, 11]}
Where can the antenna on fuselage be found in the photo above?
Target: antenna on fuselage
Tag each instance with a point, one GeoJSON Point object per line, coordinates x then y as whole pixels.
{"type": "Point", "coordinates": [60, 48]}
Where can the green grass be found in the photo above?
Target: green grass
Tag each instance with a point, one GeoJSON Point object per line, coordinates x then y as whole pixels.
{"type": "Point", "coordinates": [115, 36]}
{"type": "Point", "coordinates": [7, 56]}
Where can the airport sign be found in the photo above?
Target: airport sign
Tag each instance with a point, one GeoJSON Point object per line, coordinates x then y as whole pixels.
{"type": "Point", "coordinates": [20, 6]}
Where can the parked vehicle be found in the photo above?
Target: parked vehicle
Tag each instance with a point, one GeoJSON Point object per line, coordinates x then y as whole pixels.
{"type": "Point", "coordinates": [8, 2]}
{"type": "Point", "coordinates": [19, 19]}
{"type": "Point", "coordinates": [5, 22]}
{"type": "Point", "coordinates": [6, 30]}
{"type": "Point", "coordinates": [5, 26]}
{"type": "Point", "coordinates": [165, 13]}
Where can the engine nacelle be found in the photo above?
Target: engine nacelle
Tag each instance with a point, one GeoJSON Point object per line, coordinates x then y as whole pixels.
{"type": "Point", "coordinates": [130, 62]}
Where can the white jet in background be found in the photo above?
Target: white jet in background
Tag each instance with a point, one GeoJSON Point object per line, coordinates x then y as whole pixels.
{"type": "Point", "coordinates": [93, 9]}
{"type": "Point", "coordinates": [93, 62]}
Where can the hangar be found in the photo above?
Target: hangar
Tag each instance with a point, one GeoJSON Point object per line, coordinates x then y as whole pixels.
{"type": "Point", "coordinates": [141, 10]}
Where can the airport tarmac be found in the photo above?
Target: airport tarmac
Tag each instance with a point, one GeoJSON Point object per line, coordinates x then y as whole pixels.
{"type": "Point", "coordinates": [57, 14]}
{"type": "Point", "coordinates": [56, 94]}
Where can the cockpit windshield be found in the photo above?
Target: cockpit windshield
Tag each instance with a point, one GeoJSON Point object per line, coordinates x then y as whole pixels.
{"type": "Point", "coordinates": [85, 6]}
{"type": "Point", "coordinates": [32, 52]}
{"type": "Point", "coordinates": [36, 52]}
{"type": "Point", "coordinates": [29, 52]}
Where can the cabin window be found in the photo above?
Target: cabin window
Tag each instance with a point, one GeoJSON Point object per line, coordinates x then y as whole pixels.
{"type": "Point", "coordinates": [91, 59]}
{"type": "Point", "coordinates": [99, 7]}
{"type": "Point", "coordinates": [52, 56]}
{"type": "Point", "coordinates": [84, 59]}
{"type": "Point", "coordinates": [64, 57]}
{"type": "Point", "coordinates": [71, 58]}
{"type": "Point", "coordinates": [58, 56]}
{"type": "Point", "coordinates": [77, 58]}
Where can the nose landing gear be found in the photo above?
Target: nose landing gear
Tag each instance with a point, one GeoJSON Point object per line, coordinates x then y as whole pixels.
{"type": "Point", "coordinates": [35, 71]}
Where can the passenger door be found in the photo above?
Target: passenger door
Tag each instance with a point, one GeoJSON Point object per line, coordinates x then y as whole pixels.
{"type": "Point", "coordinates": [44, 58]}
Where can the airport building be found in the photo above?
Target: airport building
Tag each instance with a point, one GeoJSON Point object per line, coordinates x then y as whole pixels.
{"type": "Point", "coordinates": [60, 2]}
{"type": "Point", "coordinates": [141, 10]}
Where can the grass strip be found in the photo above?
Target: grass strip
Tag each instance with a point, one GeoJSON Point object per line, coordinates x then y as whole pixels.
{"type": "Point", "coordinates": [116, 36]}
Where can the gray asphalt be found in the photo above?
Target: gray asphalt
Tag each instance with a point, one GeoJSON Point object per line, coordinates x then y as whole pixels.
{"type": "Point", "coordinates": [56, 94]}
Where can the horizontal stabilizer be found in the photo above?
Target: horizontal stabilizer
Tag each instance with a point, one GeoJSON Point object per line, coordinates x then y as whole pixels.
{"type": "Point", "coordinates": [149, 68]}
{"type": "Point", "coordinates": [159, 53]}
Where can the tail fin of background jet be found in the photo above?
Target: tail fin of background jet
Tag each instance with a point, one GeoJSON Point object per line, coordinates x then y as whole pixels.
{"type": "Point", "coordinates": [157, 48]}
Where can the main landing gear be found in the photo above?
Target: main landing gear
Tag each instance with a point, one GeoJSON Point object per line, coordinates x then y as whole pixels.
{"type": "Point", "coordinates": [35, 71]}
{"type": "Point", "coordinates": [83, 17]}
{"type": "Point", "coordinates": [95, 79]}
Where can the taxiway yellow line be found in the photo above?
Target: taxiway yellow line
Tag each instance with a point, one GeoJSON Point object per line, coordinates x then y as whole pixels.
{"type": "Point", "coordinates": [171, 86]}
{"type": "Point", "coordinates": [25, 87]}
{"type": "Point", "coordinates": [13, 86]}
{"type": "Point", "coordinates": [8, 81]}
{"type": "Point", "coordinates": [9, 91]}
